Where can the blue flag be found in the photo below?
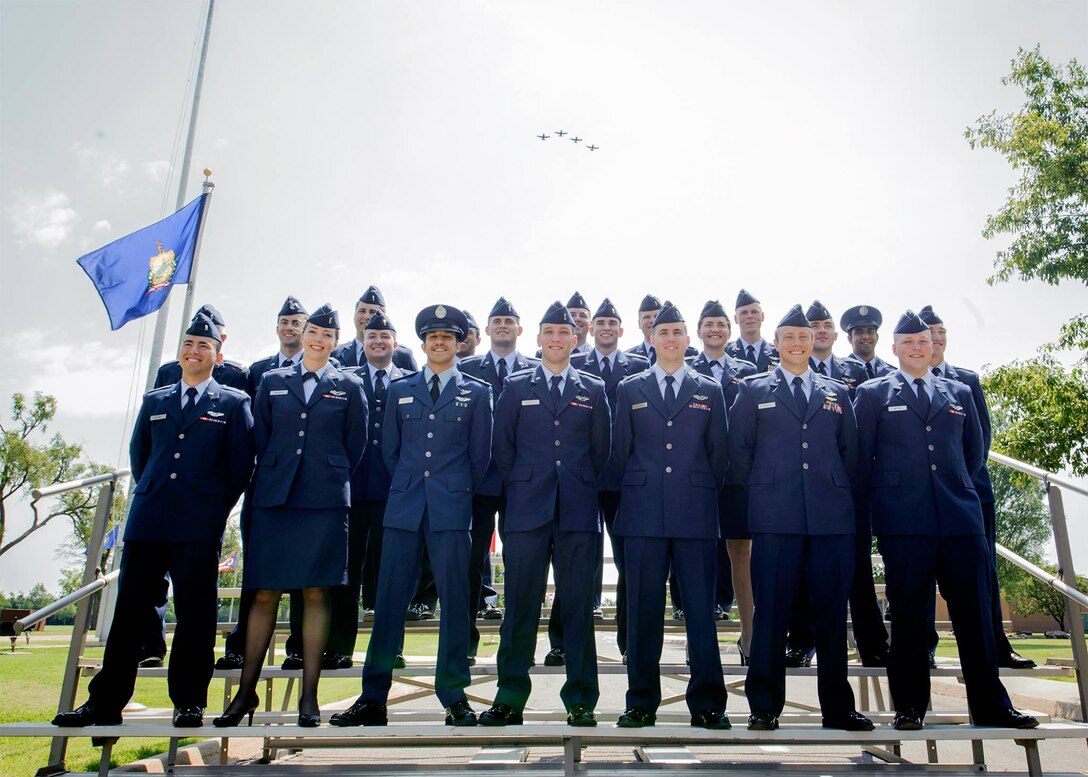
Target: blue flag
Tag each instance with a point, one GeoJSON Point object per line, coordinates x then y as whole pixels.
{"type": "Point", "coordinates": [111, 538]}
{"type": "Point", "coordinates": [133, 274]}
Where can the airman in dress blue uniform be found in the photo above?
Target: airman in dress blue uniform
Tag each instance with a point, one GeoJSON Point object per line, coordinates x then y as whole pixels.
{"type": "Point", "coordinates": [671, 444]}
{"type": "Point", "coordinates": [920, 445]}
{"type": "Point", "coordinates": [1006, 656]}
{"type": "Point", "coordinates": [436, 441]}
{"type": "Point", "coordinates": [647, 314]}
{"type": "Point", "coordinates": [192, 455]}
{"type": "Point", "coordinates": [552, 440]}
{"type": "Point", "coordinates": [351, 354]}
{"type": "Point", "coordinates": [289, 324]}
{"type": "Point", "coordinates": [750, 346]}
{"type": "Point", "coordinates": [793, 438]}
{"type": "Point", "coordinates": [226, 373]}
{"type": "Point", "coordinates": [861, 324]}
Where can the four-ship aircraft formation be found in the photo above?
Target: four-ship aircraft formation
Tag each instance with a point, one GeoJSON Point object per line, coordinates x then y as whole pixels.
{"type": "Point", "coordinates": [572, 138]}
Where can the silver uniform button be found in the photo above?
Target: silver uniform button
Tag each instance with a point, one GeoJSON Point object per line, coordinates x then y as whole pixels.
{"type": "Point", "coordinates": [668, 446]}
{"type": "Point", "coordinates": [426, 473]}
{"type": "Point", "coordinates": [668, 469]}
{"type": "Point", "coordinates": [557, 443]}
{"type": "Point", "coordinates": [933, 466]}
{"type": "Point", "coordinates": [303, 416]}
{"type": "Point", "coordinates": [301, 433]}
{"type": "Point", "coordinates": [431, 416]}
{"type": "Point", "coordinates": [557, 422]}
{"type": "Point", "coordinates": [931, 447]}
{"type": "Point", "coordinates": [804, 426]}
{"type": "Point", "coordinates": [181, 436]}
{"type": "Point", "coordinates": [668, 423]}
{"type": "Point", "coordinates": [805, 465]}
{"type": "Point", "coordinates": [427, 454]}
{"type": "Point", "coordinates": [374, 442]}
{"type": "Point", "coordinates": [173, 476]}
{"type": "Point", "coordinates": [558, 463]}
{"type": "Point", "coordinates": [298, 451]}
{"type": "Point", "coordinates": [177, 455]}
{"type": "Point", "coordinates": [929, 428]}
{"type": "Point", "coordinates": [804, 445]}
{"type": "Point", "coordinates": [430, 435]}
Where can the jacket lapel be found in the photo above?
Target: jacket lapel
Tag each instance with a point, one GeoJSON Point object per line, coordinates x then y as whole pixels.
{"type": "Point", "coordinates": [172, 406]}
{"type": "Point", "coordinates": [815, 399]}
{"type": "Point", "coordinates": [450, 392]}
{"type": "Point", "coordinates": [784, 393]}
{"type": "Point", "coordinates": [685, 391]}
{"type": "Point", "coordinates": [421, 390]}
{"type": "Point", "coordinates": [294, 383]}
{"type": "Point", "coordinates": [938, 402]}
{"type": "Point", "coordinates": [652, 392]}
{"type": "Point", "coordinates": [570, 387]}
{"type": "Point", "coordinates": [906, 392]}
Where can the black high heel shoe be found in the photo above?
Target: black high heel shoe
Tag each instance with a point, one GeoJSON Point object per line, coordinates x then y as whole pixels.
{"type": "Point", "coordinates": [229, 719]}
{"type": "Point", "coordinates": [743, 656]}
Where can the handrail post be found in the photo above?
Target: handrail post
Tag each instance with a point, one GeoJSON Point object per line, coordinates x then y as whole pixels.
{"type": "Point", "coordinates": [1068, 574]}
{"type": "Point", "coordinates": [82, 623]}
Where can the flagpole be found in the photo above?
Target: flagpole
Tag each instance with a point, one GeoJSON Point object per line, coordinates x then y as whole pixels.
{"type": "Point", "coordinates": [164, 311]}
{"type": "Point", "coordinates": [187, 310]}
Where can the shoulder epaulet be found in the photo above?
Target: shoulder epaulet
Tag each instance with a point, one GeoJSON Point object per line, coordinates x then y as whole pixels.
{"type": "Point", "coordinates": [161, 390]}
{"type": "Point", "coordinates": [234, 364]}
{"type": "Point", "coordinates": [481, 381]}
{"type": "Point", "coordinates": [402, 377]}
{"type": "Point", "coordinates": [589, 377]}
{"type": "Point", "coordinates": [233, 390]}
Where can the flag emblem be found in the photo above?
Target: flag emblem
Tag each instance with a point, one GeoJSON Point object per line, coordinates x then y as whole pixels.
{"type": "Point", "coordinates": [161, 268]}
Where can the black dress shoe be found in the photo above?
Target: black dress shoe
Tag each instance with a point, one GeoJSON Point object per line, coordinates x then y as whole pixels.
{"type": "Point", "coordinates": [720, 613]}
{"type": "Point", "coordinates": [501, 715]}
{"type": "Point", "coordinates": [555, 657]}
{"type": "Point", "coordinates": [87, 715]}
{"type": "Point", "coordinates": [851, 721]}
{"type": "Point", "coordinates": [907, 720]}
{"type": "Point", "coordinates": [1007, 718]}
{"type": "Point", "coordinates": [368, 615]}
{"type": "Point", "coordinates": [309, 721]}
{"type": "Point", "coordinates": [933, 659]}
{"type": "Point", "coordinates": [364, 712]}
{"type": "Point", "coordinates": [581, 715]}
{"type": "Point", "coordinates": [151, 662]}
{"type": "Point", "coordinates": [460, 714]}
{"type": "Point", "coordinates": [399, 662]}
{"type": "Point", "coordinates": [712, 719]}
{"type": "Point", "coordinates": [797, 658]}
{"type": "Point", "coordinates": [598, 613]}
{"type": "Point", "coordinates": [491, 613]}
{"type": "Point", "coordinates": [293, 661]}
{"type": "Point", "coordinates": [419, 612]}
{"type": "Point", "coordinates": [188, 717]}
{"type": "Point", "coordinates": [636, 717]}
{"type": "Point", "coordinates": [472, 660]}
{"type": "Point", "coordinates": [336, 661]}
{"type": "Point", "coordinates": [1013, 660]}
{"type": "Point", "coordinates": [874, 659]}
{"type": "Point", "coordinates": [230, 661]}
{"type": "Point", "coordinates": [762, 721]}
{"type": "Point", "coordinates": [624, 659]}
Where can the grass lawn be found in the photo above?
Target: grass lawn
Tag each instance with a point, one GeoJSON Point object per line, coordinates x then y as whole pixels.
{"type": "Point", "coordinates": [31, 680]}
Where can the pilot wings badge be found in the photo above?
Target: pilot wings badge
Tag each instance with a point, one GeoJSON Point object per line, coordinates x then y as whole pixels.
{"type": "Point", "coordinates": [699, 397]}
{"type": "Point", "coordinates": [337, 392]}
{"type": "Point", "coordinates": [215, 414]}
{"type": "Point", "coordinates": [581, 398]}
{"type": "Point", "coordinates": [161, 269]}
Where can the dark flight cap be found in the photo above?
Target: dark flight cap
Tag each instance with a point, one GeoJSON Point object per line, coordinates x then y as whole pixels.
{"type": "Point", "coordinates": [203, 326]}
{"type": "Point", "coordinates": [713, 309]}
{"type": "Point", "coordinates": [212, 313]}
{"type": "Point", "coordinates": [379, 321]}
{"type": "Point", "coordinates": [607, 310]}
{"type": "Point", "coordinates": [292, 307]}
{"type": "Point", "coordinates": [503, 308]}
{"type": "Point", "coordinates": [931, 318]}
{"type": "Point", "coordinates": [860, 315]}
{"type": "Point", "coordinates": [669, 314]}
{"type": "Point", "coordinates": [442, 318]}
{"type": "Point", "coordinates": [557, 313]}
{"type": "Point", "coordinates": [795, 317]}
{"type": "Point", "coordinates": [373, 296]}
{"type": "Point", "coordinates": [577, 301]}
{"type": "Point", "coordinates": [745, 298]}
{"type": "Point", "coordinates": [324, 317]}
{"type": "Point", "coordinates": [910, 324]}
{"type": "Point", "coordinates": [817, 312]}
{"type": "Point", "coordinates": [649, 302]}
{"type": "Point", "coordinates": [471, 321]}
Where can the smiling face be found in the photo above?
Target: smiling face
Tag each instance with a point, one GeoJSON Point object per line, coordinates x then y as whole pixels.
{"type": "Point", "coordinates": [714, 331]}
{"type": "Point", "coordinates": [363, 312]}
{"type": "Point", "coordinates": [646, 321]}
{"type": "Point", "coordinates": [939, 336]}
{"type": "Point", "coordinates": [467, 347]}
{"type": "Point", "coordinates": [378, 345]}
{"type": "Point", "coordinates": [197, 356]}
{"type": "Point", "coordinates": [318, 343]}
{"type": "Point", "coordinates": [794, 344]}
{"type": "Point", "coordinates": [556, 341]}
{"type": "Point", "coordinates": [580, 316]}
{"type": "Point", "coordinates": [914, 352]}
{"type": "Point", "coordinates": [824, 335]}
{"type": "Point", "coordinates": [670, 341]}
{"type": "Point", "coordinates": [607, 332]}
{"type": "Point", "coordinates": [440, 348]}
{"type": "Point", "coordinates": [289, 333]}
{"type": "Point", "coordinates": [863, 340]}
{"type": "Point", "coordinates": [503, 331]}
{"type": "Point", "coordinates": [750, 321]}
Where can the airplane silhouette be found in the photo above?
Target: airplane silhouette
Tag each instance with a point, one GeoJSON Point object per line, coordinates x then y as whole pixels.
{"type": "Point", "coordinates": [560, 133]}
{"type": "Point", "coordinates": [592, 147]}
{"type": "Point", "coordinates": [543, 136]}
{"type": "Point", "coordinates": [576, 139]}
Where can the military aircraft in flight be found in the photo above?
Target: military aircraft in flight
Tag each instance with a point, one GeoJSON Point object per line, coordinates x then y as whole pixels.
{"type": "Point", "coordinates": [576, 139]}
{"type": "Point", "coordinates": [560, 133]}
{"type": "Point", "coordinates": [591, 147]}
{"type": "Point", "coordinates": [542, 136]}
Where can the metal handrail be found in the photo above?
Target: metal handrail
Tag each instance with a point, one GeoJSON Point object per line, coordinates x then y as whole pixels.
{"type": "Point", "coordinates": [78, 595]}
{"type": "Point", "coordinates": [1039, 474]}
{"type": "Point", "coordinates": [1041, 574]}
{"type": "Point", "coordinates": [72, 485]}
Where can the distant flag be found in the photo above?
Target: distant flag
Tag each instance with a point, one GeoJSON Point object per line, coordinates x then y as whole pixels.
{"type": "Point", "coordinates": [133, 274]}
{"type": "Point", "coordinates": [229, 563]}
{"type": "Point", "coordinates": [111, 538]}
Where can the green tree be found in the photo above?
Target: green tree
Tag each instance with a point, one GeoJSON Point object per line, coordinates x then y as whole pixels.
{"type": "Point", "coordinates": [1031, 595]}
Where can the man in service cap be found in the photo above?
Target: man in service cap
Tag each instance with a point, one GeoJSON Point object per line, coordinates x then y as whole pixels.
{"type": "Point", "coordinates": [225, 372]}
{"type": "Point", "coordinates": [750, 345]}
{"type": "Point", "coordinates": [647, 314]}
{"type": "Point", "coordinates": [436, 442]}
{"type": "Point", "coordinates": [920, 446]}
{"type": "Point", "coordinates": [352, 354]}
{"type": "Point", "coordinates": [861, 324]}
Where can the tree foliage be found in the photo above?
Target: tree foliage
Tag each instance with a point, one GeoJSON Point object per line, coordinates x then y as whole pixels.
{"type": "Point", "coordinates": [1047, 141]}
{"type": "Point", "coordinates": [1029, 595]}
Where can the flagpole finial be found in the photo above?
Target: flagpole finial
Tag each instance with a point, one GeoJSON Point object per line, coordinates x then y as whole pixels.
{"type": "Point", "coordinates": [207, 172]}
{"type": "Point", "coordinates": [208, 185]}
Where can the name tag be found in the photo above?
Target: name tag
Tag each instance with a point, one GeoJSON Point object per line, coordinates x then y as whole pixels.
{"type": "Point", "coordinates": [640, 406]}
{"type": "Point", "coordinates": [405, 400]}
{"type": "Point", "coordinates": [896, 408]}
{"type": "Point", "coordinates": [158, 417]}
{"type": "Point", "coordinates": [278, 392]}
{"type": "Point", "coordinates": [530, 402]}
{"type": "Point", "coordinates": [766, 405]}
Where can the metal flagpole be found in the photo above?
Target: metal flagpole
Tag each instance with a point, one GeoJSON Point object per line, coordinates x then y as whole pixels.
{"type": "Point", "coordinates": [187, 310]}
{"type": "Point", "coordinates": [164, 311]}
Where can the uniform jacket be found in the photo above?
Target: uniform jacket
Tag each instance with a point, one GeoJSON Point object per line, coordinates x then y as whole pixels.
{"type": "Point", "coordinates": [672, 464]}
{"type": "Point", "coordinates": [919, 472]}
{"type": "Point", "coordinates": [766, 358]}
{"type": "Point", "coordinates": [371, 479]}
{"type": "Point", "coordinates": [970, 379]}
{"type": "Point", "coordinates": [257, 370]}
{"type": "Point", "coordinates": [547, 453]}
{"type": "Point", "coordinates": [880, 367]}
{"type": "Point", "coordinates": [438, 452]}
{"type": "Point", "coordinates": [306, 451]}
{"type": "Point", "coordinates": [798, 467]}
{"type": "Point", "coordinates": [483, 368]}
{"type": "Point", "coordinates": [347, 356]}
{"type": "Point", "coordinates": [848, 371]}
{"type": "Point", "coordinates": [643, 350]}
{"type": "Point", "coordinates": [735, 371]}
{"type": "Point", "coordinates": [226, 373]}
{"type": "Point", "coordinates": [188, 476]}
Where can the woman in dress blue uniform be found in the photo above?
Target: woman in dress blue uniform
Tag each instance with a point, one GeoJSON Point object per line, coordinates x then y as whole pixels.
{"type": "Point", "coordinates": [310, 432]}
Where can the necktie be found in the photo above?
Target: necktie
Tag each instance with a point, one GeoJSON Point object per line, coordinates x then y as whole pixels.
{"type": "Point", "coordinates": [821, 368]}
{"type": "Point", "coordinates": [556, 395]}
{"type": "Point", "coordinates": [287, 362]}
{"type": "Point", "coordinates": [435, 390]}
{"type": "Point", "coordinates": [799, 395]}
{"type": "Point", "coordinates": [937, 371]}
{"type": "Point", "coordinates": [606, 369]}
{"type": "Point", "coordinates": [651, 352]}
{"type": "Point", "coordinates": [717, 369]}
{"type": "Point", "coordinates": [379, 385]}
{"type": "Point", "coordinates": [189, 411]}
{"type": "Point", "coordinates": [869, 370]}
{"type": "Point", "coordinates": [923, 396]}
{"type": "Point", "coordinates": [502, 372]}
{"type": "Point", "coordinates": [309, 376]}
{"type": "Point", "coordinates": [670, 393]}
{"type": "Point", "coordinates": [752, 354]}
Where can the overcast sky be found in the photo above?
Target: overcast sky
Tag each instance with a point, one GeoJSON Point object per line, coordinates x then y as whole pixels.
{"type": "Point", "coordinates": [798, 149]}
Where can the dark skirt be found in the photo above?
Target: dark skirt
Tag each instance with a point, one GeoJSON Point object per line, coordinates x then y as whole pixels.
{"type": "Point", "coordinates": [293, 547]}
{"type": "Point", "coordinates": [733, 513]}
